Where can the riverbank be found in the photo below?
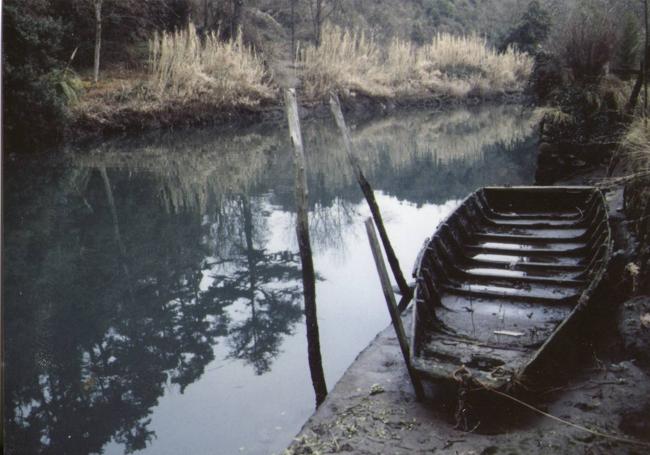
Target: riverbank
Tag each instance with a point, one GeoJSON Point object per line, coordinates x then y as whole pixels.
{"type": "Point", "coordinates": [372, 409]}
{"type": "Point", "coordinates": [188, 81]}
{"type": "Point", "coordinates": [100, 117]}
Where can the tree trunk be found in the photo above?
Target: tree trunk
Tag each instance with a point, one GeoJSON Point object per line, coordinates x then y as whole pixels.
{"type": "Point", "coordinates": [293, 30]}
{"type": "Point", "coordinates": [116, 230]}
{"type": "Point", "coordinates": [634, 96]}
{"type": "Point", "coordinates": [250, 257]}
{"type": "Point", "coordinates": [98, 35]}
{"type": "Point", "coordinates": [237, 10]}
{"type": "Point", "coordinates": [645, 62]}
{"type": "Point", "coordinates": [318, 21]}
{"type": "Point", "coordinates": [205, 16]}
{"type": "Point", "coordinates": [302, 231]}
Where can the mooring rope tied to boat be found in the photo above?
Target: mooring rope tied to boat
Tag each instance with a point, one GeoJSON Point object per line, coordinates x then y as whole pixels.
{"type": "Point", "coordinates": [465, 372]}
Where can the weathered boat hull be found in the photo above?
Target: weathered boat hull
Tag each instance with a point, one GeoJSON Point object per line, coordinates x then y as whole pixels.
{"type": "Point", "coordinates": [503, 278]}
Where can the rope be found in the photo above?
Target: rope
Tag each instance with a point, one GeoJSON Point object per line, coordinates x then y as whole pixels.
{"type": "Point", "coordinates": [463, 412]}
{"type": "Point", "coordinates": [462, 374]}
{"type": "Point", "coordinates": [563, 421]}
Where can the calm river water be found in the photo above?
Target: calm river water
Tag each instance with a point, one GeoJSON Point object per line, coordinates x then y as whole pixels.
{"type": "Point", "coordinates": [152, 294]}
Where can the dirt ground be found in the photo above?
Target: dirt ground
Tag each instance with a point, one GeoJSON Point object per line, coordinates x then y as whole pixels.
{"type": "Point", "coordinates": [372, 409]}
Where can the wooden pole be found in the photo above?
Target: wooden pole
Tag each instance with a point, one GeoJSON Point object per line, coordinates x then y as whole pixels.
{"type": "Point", "coordinates": [302, 231]}
{"type": "Point", "coordinates": [404, 288]}
{"type": "Point", "coordinates": [392, 308]}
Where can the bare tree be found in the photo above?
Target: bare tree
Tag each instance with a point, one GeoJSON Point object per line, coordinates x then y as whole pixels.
{"type": "Point", "coordinates": [645, 62]}
{"type": "Point", "coordinates": [237, 12]}
{"type": "Point", "coordinates": [320, 13]}
{"type": "Point", "coordinates": [293, 28]}
{"type": "Point", "coordinates": [206, 14]}
{"type": "Point", "coordinates": [98, 36]}
{"type": "Point", "coordinates": [318, 21]}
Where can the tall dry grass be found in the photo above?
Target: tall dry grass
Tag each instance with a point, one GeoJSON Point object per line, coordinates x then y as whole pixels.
{"type": "Point", "coordinates": [184, 67]}
{"type": "Point", "coordinates": [449, 65]}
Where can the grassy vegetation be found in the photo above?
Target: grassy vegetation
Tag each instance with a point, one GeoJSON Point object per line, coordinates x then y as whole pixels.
{"type": "Point", "coordinates": [187, 80]}
{"type": "Point", "coordinates": [191, 78]}
{"type": "Point", "coordinates": [184, 67]}
{"type": "Point", "coordinates": [636, 162]}
{"type": "Point", "coordinates": [457, 66]}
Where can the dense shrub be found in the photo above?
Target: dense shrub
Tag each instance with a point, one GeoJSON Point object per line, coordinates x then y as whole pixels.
{"type": "Point", "coordinates": [585, 41]}
{"type": "Point", "coordinates": [546, 76]}
{"type": "Point", "coordinates": [574, 76]}
{"type": "Point", "coordinates": [33, 109]}
{"type": "Point", "coordinates": [587, 112]}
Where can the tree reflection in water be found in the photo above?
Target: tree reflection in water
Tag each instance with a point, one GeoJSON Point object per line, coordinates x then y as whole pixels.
{"type": "Point", "coordinates": [265, 284]}
{"type": "Point", "coordinates": [104, 293]}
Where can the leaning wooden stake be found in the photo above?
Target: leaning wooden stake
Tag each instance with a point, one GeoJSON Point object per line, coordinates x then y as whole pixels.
{"type": "Point", "coordinates": [404, 288]}
{"type": "Point", "coordinates": [302, 231]}
{"type": "Point", "coordinates": [392, 307]}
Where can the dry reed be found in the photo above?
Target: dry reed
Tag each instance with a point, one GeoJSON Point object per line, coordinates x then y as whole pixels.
{"type": "Point", "coordinates": [186, 68]}
{"type": "Point", "coordinates": [350, 61]}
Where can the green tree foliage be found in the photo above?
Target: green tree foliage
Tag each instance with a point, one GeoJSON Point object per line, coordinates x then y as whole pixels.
{"type": "Point", "coordinates": [531, 31]}
{"type": "Point", "coordinates": [33, 109]}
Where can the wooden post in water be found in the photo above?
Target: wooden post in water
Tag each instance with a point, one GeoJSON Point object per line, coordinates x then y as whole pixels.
{"type": "Point", "coordinates": [404, 288]}
{"type": "Point", "coordinates": [392, 308]}
{"type": "Point", "coordinates": [302, 231]}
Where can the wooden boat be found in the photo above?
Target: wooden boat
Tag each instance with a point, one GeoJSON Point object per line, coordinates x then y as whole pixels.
{"type": "Point", "coordinates": [503, 278]}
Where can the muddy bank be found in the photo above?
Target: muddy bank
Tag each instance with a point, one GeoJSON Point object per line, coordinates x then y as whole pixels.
{"type": "Point", "coordinates": [372, 410]}
{"type": "Point", "coordinates": [104, 121]}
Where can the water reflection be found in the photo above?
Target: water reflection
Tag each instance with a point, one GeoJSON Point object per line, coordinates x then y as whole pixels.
{"type": "Point", "coordinates": [264, 285]}
{"type": "Point", "coordinates": [133, 265]}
